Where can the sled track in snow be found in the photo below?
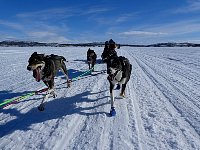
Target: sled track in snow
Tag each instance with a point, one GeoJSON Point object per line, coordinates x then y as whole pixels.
{"type": "Point", "coordinates": [94, 117]}
{"type": "Point", "coordinates": [157, 81]}
{"type": "Point", "coordinates": [134, 111]}
{"type": "Point", "coordinates": [75, 127]}
{"type": "Point", "coordinates": [163, 89]}
{"type": "Point", "coordinates": [155, 114]}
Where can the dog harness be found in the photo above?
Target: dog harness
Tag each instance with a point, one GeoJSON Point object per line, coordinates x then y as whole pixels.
{"type": "Point", "coordinates": [113, 77]}
{"type": "Point", "coordinates": [47, 71]}
{"type": "Point", "coordinates": [123, 61]}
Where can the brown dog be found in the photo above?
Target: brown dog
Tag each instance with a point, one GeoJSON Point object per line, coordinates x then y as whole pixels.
{"type": "Point", "coordinates": [91, 58]}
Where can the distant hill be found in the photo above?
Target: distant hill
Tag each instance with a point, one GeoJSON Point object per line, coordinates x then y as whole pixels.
{"type": "Point", "coordinates": [35, 44]}
{"type": "Point", "coordinates": [186, 44]}
{"type": "Point", "coordinates": [100, 44]}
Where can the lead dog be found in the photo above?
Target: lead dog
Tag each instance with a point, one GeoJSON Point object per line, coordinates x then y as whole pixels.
{"type": "Point", "coordinates": [91, 58]}
{"type": "Point", "coordinates": [44, 68]}
{"type": "Point", "coordinates": [119, 72]}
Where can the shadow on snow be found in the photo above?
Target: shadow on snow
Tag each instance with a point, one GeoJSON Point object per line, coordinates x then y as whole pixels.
{"type": "Point", "coordinates": [54, 109]}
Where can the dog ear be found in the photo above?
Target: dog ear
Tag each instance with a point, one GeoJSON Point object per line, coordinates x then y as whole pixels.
{"type": "Point", "coordinates": [35, 53]}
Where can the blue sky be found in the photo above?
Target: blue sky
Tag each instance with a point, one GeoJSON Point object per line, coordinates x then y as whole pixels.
{"type": "Point", "coordinates": [77, 21]}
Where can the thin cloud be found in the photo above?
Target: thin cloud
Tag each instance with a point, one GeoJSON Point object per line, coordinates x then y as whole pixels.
{"type": "Point", "coordinates": [4, 36]}
{"type": "Point", "coordinates": [124, 18]}
{"type": "Point", "coordinates": [165, 30]}
{"type": "Point", "coordinates": [193, 6]}
{"type": "Point", "coordinates": [176, 31]}
{"type": "Point", "coordinates": [46, 36]}
{"type": "Point", "coordinates": [61, 13]}
{"type": "Point", "coordinates": [178, 28]}
{"type": "Point", "coordinates": [58, 13]}
{"type": "Point", "coordinates": [141, 33]}
{"type": "Point", "coordinates": [95, 10]}
{"type": "Point", "coordinates": [41, 34]}
{"type": "Point", "coordinates": [12, 25]}
{"type": "Point", "coordinates": [114, 20]}
{"type": "Point", "coordinates": [37, 30]}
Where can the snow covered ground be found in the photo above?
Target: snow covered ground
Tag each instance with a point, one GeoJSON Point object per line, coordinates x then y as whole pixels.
{"type": "Point", "coordinates": [161, 110]}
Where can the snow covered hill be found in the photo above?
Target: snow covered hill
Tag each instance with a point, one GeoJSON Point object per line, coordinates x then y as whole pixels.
{"type": "Point", "coordinates": [161, 110]}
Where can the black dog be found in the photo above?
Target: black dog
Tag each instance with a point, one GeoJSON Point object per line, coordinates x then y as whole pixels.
{"type": "Point", "coordinates": [45, 68]}
{"type": "Point", "coordinates": [119, 72]}
{"type": "Point", "coordinates": [91, 58]}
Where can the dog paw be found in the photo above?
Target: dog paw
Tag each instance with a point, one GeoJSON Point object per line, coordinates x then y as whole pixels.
{"type": "Point", "coordinates": [54, 96]}
{"type": "Point", "coordinates": [122, 95]}
{"type": "Point", "coordinates": [41, 107]}
{"type": "Point", "coordinates": [118, 87]}
{"type": "Point", "coordinates": [68, 84]}
{"type": "Point", "coordinates": [112, 111]}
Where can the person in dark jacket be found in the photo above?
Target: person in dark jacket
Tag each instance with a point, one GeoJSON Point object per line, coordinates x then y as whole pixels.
{"type": "Point", "coordinates": [109, 50]}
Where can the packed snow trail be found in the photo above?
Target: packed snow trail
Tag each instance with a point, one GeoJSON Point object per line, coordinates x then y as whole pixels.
{"type": "Point", "coordinates": [161, 109]}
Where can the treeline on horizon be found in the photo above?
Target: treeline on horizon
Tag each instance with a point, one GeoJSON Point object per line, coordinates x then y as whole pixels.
{"type": "Point", "coordinates": [93, 44]}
